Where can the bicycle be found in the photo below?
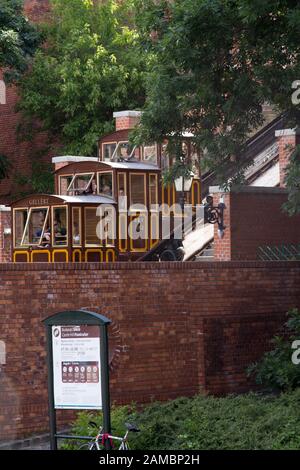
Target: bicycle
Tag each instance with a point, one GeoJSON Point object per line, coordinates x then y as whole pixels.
{"type": "Point", "coordinates": [99, 442]}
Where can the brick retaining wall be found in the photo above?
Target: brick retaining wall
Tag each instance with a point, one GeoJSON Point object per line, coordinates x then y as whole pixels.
{"type": "Point", "coordinates": [178, 329]}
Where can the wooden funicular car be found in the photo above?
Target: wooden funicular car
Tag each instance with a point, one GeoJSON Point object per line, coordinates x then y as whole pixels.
{"type": "Point", "coordinates": [121, 189]}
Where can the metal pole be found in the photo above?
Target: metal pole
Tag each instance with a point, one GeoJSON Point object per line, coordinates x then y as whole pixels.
{"type": "Point", "coordinates": [105, 384]}
{"type": "Point", "coordinates": [182, 208]}
{"type": "Point", "coordinates": [52, 412]}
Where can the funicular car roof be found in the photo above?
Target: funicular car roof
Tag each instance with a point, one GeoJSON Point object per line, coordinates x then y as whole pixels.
{"type": "Point", "coordinates": [45, 200]}
{"type": "Point", "coordinates": [123, 165]}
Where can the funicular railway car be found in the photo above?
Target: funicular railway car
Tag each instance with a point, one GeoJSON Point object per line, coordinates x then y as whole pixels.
{"type": "Point", "coordinates": [104, 209]}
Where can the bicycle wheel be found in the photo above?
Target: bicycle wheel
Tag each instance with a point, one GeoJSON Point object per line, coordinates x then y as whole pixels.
{"type": "Point", "coordinates": [87, 446]}
{"type": "Point", "coordinates": [124, 446]}
{"type": "Point", "coordinates": [93, 446]}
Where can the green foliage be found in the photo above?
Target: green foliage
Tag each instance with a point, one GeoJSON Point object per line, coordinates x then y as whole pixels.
{"type": "Point", "coordinates": [81, 427]}
{"type": "Point", "coordinates": [5, 166]}
{"type": "Point", "coordinates": [18, 38]}
{"type": "Point", "coordinates": [206, 423]}
{"type": "Point", "coordinates": [40, 181]}
{"type": "Point", "coordinates": [276, 369]}
{"type": "Point", "coordinates": [90, 68]}
{"type": "Point", "coordinates": [214, 64]}
{"type": "Point", "coordinates": [179, 168]}
{"type": "Point", "coordinates": [293, 183]}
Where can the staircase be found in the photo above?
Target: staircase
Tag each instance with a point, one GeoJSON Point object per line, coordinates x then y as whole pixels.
{"type": "Point", "coordinates": [262, 151]}
{"type": "Point", "coordinates": [206, 255]}
{"type": "Point", "coordinates": [197, 241]}
{"type": "Point", "coordinates": [260, 148]}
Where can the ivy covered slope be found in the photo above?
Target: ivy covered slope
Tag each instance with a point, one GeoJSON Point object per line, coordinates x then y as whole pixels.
{"type": "Point", "coordinates": [89, 67]}
{"type": "Point", "coordinates": [18, 38]}
{"type": "Point", "coordinates": [214, 63]}
{"type": "Point", "coordinates": [18, 42]}
{"type": "Point", "coordinates": [277, 370]}
{"type": "Point", "coordinates": [249, 422]}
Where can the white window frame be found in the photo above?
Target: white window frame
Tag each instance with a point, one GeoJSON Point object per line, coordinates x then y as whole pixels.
{"type": "Point", "coordinates": [27, 222]}
{"type": "Point", "coordinates": [102, 150]}
{"type": "Point", "coordinates": [108, 172]}
{"type": "Point", "coordinates": [156, 154]}
{"type": "Point", "coordinates": [14, 217]}
{"type": "Point", "coordinates": [117, 147]}
{"type": "Point", "coordinates": [52, 226]}
{"type": "Point", "coordinates": [85, 188]}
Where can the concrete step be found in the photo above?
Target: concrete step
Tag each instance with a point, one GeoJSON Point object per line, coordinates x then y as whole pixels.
{"type": "Point", "coordinates": [208, 252]}
{"type": "Point", "coordinates": [40, 441]}
{"type": "Point", "coordinates": [204, 258]}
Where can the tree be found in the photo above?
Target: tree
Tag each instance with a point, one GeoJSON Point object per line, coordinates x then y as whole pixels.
{"type": "Point", "coordinates": [214, 63]}
{"type": "Point", "coordinates": [90, 67]}
{"type": "Point", "coordinates": [18, 39]}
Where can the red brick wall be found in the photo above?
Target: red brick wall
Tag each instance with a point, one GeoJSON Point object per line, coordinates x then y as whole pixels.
{"type": "Point", "coordinates": [125, 120]}
{"type": "Point", "coordinates": [254, 217]}
{"type": "Point", "coordinates": [222, 248]}
{"type": "Point", "coordinates": [18, 153]}
{"type": "Point", "coordinates": [287, 140]}
{"type": "Point", "coordinates": [178, 329]}
{"type": "Point", "coordinates": [5, 239]}
{"type": "Point", "coordinates": [36, 10]}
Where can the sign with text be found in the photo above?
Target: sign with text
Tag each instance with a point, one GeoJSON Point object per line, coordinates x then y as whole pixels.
{"type": "Point", "coordinates": [76, 367]}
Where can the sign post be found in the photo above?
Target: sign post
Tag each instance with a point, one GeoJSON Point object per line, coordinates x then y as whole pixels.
{"type": "Point", "coordinates": [78, 366]}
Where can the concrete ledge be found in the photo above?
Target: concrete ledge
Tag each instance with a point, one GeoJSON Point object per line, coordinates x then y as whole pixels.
{"type": "Point", "coordinates": [5, 209]}
{"type": "Point", "coordinates": [29, 443]}
{"type": "Point", "coordinates": [287, 132]}
{"type": "Point", "coordinates": [73, 159]}
{"type": "Point", "coordinates": [249, 189]}
{"type": "Point", "coordinates": [119, 114]}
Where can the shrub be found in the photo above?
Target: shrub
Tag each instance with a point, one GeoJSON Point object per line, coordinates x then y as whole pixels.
{"type": "Point", "coordinates": [81, 427]}
{"type": "Point", "coordinates": [249, 422]}
{"type": "Point", "coordinates": [276, 369]}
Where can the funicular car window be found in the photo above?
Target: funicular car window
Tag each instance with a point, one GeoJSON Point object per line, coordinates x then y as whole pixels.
{"type": "Point", "coordinates": [195, 159]}
{"type": "Point", "coordinates": [20, 219]}
{"type": "Point", "coordinates": [81, 183]}
{"type": "Point", "coordinates": [76, 226]}
{"type": "Point", "coordinates": [59, 226]}
{"type": "Point", "coordinates": [123, 151]}
{"type": "Point", "coordinates": [150, 153]}
{"type": "Point", "coordinates": [105, 184]}
{"type": "Point", "coordinates": [37, 228]}
{"type": "Point", "coordinates": [108, 151]}
{"type": "Point", "coordinates": [122, 191]}
{"type": "Point", "coordinates": [64, 183]}
{"type": "Point", "coordinates": [153, 189]}
{"type": "Point", "coordinates": [165, 158]}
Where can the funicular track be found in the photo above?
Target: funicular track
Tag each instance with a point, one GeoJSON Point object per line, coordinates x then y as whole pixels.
{"type": "Point", "coordinates": [262, 151]}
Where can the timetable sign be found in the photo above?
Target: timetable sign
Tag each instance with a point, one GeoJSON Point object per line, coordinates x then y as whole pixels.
{"type": "Point", "coordinates": [76, 367]}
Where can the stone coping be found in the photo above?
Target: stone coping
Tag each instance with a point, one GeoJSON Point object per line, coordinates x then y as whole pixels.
{"type": "Point", "coordinates": [249, 189]}
{"type": "Point", "coordinates": [4, 208]}
{"type": "Point", "coordinates": [119, 114]}
{"type": "Point", "coordinates": [150, 266]}
{"type": "Point", "coordinates": [73, 159]}
{"type": "Point", "coordinates": [287, 132]}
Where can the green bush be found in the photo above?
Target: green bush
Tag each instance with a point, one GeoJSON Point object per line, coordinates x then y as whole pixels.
{"type": "Point", "coordinates": [276, 369]}
{"type": "Point", "coordinates": [81, 427]}
{"type": "Point", "coordinates": [249, 421]}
